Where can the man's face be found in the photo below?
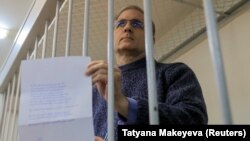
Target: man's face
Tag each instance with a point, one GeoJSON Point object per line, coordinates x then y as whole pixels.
{"type": "Point", "coordinates": [129, 33]}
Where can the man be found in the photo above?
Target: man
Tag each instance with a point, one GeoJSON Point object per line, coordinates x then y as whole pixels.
{"type": "Point", "coordinates": [179, 94]}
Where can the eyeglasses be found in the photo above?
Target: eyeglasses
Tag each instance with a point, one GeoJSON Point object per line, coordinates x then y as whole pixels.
{"type": "Point", "coordinates": [134, 23]}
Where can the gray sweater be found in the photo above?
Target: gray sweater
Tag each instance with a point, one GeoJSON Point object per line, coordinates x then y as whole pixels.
{"type": "Point", "coordinates": [179, 95]}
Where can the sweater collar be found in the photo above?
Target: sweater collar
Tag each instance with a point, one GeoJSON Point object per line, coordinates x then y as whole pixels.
{"type": "Point", "coordinates": [141, 63]}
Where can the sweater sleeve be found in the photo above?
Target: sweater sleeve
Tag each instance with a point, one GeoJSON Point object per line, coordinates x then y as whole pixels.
{"type": "Point", "coordinates": [132, 110]}
{"type": "Point", "coordinates": [183, 101]}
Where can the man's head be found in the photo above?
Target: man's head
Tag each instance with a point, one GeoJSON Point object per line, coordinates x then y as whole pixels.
{"type": "Point", "coordinates": [129, 32]}
{"type": "Point", "coordinates": [135, 8]}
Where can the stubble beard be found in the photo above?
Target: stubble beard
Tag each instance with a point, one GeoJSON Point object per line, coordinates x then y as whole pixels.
{"type": "Point", "coordinates": [129, 51]}
{"type": "Point", "coordinates": [128, 55]}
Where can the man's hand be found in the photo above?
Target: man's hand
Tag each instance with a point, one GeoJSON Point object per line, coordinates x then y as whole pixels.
{"type": "Point", "coordinates": [97, 138]}
{"type": "Point", "coordinates": [99, 72]}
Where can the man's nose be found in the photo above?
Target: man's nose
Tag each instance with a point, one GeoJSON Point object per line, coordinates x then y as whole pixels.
{"type": "Point", "coordinates": [128, 27]}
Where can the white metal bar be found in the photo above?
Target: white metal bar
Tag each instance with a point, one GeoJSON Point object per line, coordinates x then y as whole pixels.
{"type": "Point", "coordinates": [28, 55]}
{"type": "Point", "coordinates": [215, 51]}
{"type": "Point", "coordinates": [15, 129]}
{"type": "Point", "coordinates": [15, 106]}
{"type": "Point", "coordinates": [17, 136]}
{"type": "Point", "coordinates": [11, 123]}
{"type": "Point", "coordinates": [55, 29]}
{"type": "Point", "coordinates": [152, 94]}
{"type": "Point", "coordinates": [35, 49]}
{"type": "Point", "coordinates": [86, 28]}
{"type": "Point", "coordinates": [5, 113]}
{"type": "Point", "coordinates": [110, 72]}
{"type": "Point", "coordinates": [68, 35]}
{"type": "Point", "coordinates": [45, 40]}
{"type": "Point", "coordinates": [8, 122]}
{"type": "Point", "coordinates": [2, 114]}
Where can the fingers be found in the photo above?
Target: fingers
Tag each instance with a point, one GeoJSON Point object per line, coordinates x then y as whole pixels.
{"type": "Point", "coordinates": [102, 89]}
{"type": "Point", "coordinates": [99, 67]}
{"type": "Point", "coordinates": [97, 138]}
{"type": "Point", "coordinates": [95, 66]}
{"type": "Point", "coordinates": [98, 70]}
{"type": "Point", "coordinates": [100, 76]}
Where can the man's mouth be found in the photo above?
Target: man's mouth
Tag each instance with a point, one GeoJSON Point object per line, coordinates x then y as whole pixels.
{"type": "Point", "coordinates": [127, 38]}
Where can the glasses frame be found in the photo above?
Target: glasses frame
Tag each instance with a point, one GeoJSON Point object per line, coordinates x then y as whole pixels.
{"type": "Point", "coordinates": [135, 23]}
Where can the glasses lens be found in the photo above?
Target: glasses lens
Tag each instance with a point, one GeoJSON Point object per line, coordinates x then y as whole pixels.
{"type": "Point", "coordinates": [137, 24]}
{"type": "Point", "coordinates": [120, 23]}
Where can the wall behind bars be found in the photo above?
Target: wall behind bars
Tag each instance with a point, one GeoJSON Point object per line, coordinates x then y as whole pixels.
{"type": "Point", "coordinates": [235, 45]}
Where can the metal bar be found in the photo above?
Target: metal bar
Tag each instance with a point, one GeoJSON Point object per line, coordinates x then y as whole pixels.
{"type": "Point", "coordinates": [86, 28]}
{"type": "Point", "coordinates": [53, 54]}
{"type": "Point", "coordinates": [152, 94]}
{"type": "Point", "coordinates": [12, 117]}
{"type": "Point", "coordinates": [15, 130]}
{"type": "Point", "coordinates": [35, 49]}
{"type": "Point", "coordinates": [17, 136]}
{"type": "Point", "coordinates": [5, 113]}
{"type": "Point", "coordinates": [45, 39]}
{"type": "Point", "coordinates": [14, 138]}
{"type": "Point", "coordinates": [15, 106]}
{"type": "Point", "coordinates": [8, 122]}
{"type": "Point", "coordinates": [215, 51]}
{"type": "Point", "coordinates": [110, 72]}
{"type": "Point", "coordinates": [3, 110]}
{"type": "Point", "coordinates": [28, 55]}
{"type": "Point", "coordinates": [68, 36]}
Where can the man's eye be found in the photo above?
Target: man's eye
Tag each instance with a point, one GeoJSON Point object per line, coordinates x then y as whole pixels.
{"type": "Point", "coordinates": [134, 23]}
{"type": "Point", "coordinates": [137, 25]}
{"type": "Point", "coordinates": [120, 24]}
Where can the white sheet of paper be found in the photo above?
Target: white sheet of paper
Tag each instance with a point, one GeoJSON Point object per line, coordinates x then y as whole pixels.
{"type": "Point", "coordinates": [56, 100]}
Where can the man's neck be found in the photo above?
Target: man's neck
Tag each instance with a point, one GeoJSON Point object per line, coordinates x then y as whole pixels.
{"type": "Point", "coordinates": [127, 59]}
